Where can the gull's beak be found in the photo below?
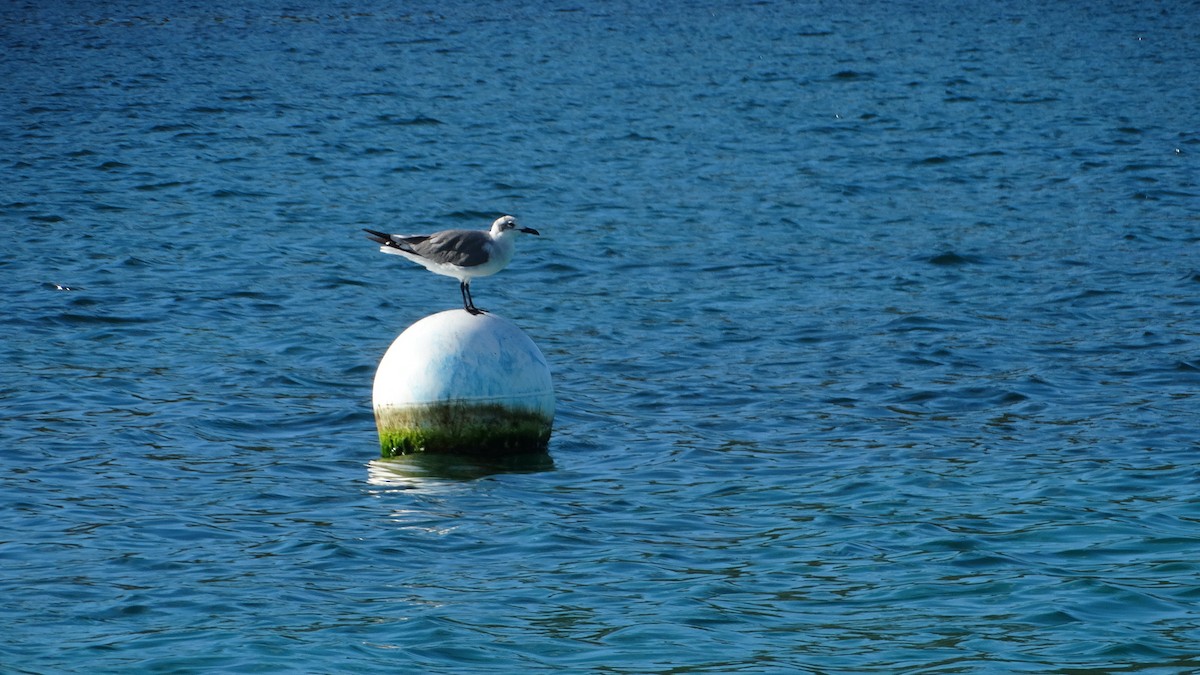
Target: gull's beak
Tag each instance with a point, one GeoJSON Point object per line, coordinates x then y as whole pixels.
{"type": "Point", "coordinates": [530, 230]}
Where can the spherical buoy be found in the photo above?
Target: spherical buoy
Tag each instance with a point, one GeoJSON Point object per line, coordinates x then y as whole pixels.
{"type": "Point", "coordinates": [462, 383]}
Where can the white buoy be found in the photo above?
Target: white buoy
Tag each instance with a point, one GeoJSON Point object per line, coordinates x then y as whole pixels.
{"type": "Point", "coordinates": [462, 383]}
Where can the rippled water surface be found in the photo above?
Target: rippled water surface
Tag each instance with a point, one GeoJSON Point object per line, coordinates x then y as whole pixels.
{"type": "Point", "coordinates": [873, 328]}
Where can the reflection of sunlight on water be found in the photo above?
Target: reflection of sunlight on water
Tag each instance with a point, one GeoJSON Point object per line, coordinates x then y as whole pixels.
{"type": "Point", "coordinates": [427, 514]}
{"type": "Point", "coordinates": [432, 478]}
{"type": "Point", "coordinates": [387, 473]}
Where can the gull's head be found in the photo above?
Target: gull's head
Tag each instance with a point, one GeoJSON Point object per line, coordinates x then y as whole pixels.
{"type": "Point", "coordinates": [507, 224]}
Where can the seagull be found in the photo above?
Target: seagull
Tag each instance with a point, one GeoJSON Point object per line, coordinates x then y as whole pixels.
{"type": "Point", "coordinates": [462, 254]}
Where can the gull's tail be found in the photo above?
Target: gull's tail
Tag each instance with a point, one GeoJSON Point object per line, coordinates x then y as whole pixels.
{"type": "Point", "coordinates": [389, 244]}
{"type": "Point", "coordinates": [395, 243]}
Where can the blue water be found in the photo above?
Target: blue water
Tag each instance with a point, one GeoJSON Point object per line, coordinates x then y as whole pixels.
{"type": "Point", "coordinates": [874, 330]}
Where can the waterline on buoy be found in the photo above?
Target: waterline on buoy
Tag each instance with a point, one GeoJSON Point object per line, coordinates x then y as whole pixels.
{"type": "Point", "coordinates": [478, 429]}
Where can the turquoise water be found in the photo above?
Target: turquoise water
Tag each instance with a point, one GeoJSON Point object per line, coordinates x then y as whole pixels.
{"type": "Point", "coordinates": [873, 328]}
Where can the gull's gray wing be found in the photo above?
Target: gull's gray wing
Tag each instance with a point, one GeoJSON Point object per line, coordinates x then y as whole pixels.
{"type": "Point", "coordinates": [465, 248]}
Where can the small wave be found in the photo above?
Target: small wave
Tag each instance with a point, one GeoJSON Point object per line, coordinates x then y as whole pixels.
{"type": "Point", "coordinates": [851, 75]}
{"type": "Point", "coordinates": [916, 322]}
{"type": "Point", "coordinates": [336, 282]}
{"type": "Point", "coordinates": [952, 259]}
{"type": "Point", "coordinates": [153, 187]}
{"type": "Point", "coordinates": [418, 121]}
{"type": "Point", "coordinates": [237, 194]}
{"type": "Point", "coordinates": [933, 160]}
{"type": "Point", "coordinates": [101, 319]}
{"type": "Point", "coordinates": [51, 286]}
{"type": "Point", "coordinates": [170, 128]}
{"type": "Point", "coordinates": [1027, 101]}
{"type": "Point", "coordinates": [472, 216]}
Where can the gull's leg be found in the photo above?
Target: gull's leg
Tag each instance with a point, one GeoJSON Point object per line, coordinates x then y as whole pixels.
{"type": "Point", "coordinates": [468, 301]}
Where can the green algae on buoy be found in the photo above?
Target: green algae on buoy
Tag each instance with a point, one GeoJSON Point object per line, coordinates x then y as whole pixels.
{"type": "Point", "coordinates": [456, 382]}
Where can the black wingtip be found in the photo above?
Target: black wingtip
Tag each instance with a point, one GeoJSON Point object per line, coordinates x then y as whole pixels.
{"type": "Point", "coordinates": [379, 237]}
